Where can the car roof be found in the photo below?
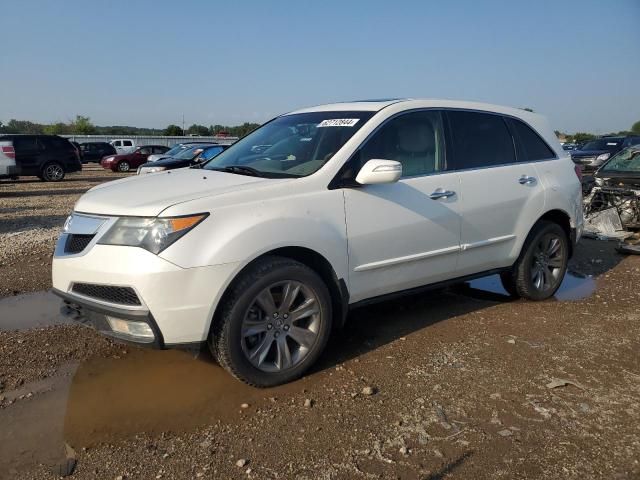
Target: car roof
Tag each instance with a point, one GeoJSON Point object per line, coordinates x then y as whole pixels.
{"type": "Point", "coordinates": [409, 103]}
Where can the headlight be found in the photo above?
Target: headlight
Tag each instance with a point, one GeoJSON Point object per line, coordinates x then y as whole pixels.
{"type": "Point", "coordinates": [152, 234]}
{"type": "Point", "coordinates": [603, 157]}
{"type": "Point", "coordinates": [151, 169]}
{"type": "Point", "coordinates": [107, 159]}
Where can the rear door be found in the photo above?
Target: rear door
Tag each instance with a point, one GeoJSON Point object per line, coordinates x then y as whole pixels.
{"type": "Point", "coordinates": [501, 193]}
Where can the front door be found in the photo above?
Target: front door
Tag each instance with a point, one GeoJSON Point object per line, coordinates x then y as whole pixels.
{"type": "Point", "coordinates": [405, 234]}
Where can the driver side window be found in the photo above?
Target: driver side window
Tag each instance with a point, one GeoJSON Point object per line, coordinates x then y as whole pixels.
{"type": "Point", "coordinates": [414, 139]}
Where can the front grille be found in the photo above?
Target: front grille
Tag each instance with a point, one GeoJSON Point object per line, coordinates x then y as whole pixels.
{"type": "Point", "coordinates": [107, 293]}
{"type": "Point", "coordinates": [77, 243]}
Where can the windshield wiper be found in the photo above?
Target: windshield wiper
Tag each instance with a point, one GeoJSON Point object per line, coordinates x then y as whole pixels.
{"type": "Point", "coordinates": [240, 170]}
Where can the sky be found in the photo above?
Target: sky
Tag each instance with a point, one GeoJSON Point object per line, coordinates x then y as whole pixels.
{"type": "Point", "coordinates": [146, 63]}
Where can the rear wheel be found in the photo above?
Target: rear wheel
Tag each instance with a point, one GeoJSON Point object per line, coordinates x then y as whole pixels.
{"type": "Point", "coordinates": [124, 166]}
{"type": "Point", "coordinates": [274, 323]}
{"type": "Point", "coordinates": [52, 172]}
{"type": "Point", "coordinates": [540, 269]}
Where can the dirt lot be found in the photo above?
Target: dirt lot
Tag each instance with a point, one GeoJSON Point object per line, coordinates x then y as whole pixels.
{"type": "Point", "coordinates": [458, 383]}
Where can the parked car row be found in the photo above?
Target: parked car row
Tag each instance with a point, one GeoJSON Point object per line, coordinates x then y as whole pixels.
{"type": "Point", "coordinates": [595, 153]}
{"type": "Point", "coordinates": [49, 157]}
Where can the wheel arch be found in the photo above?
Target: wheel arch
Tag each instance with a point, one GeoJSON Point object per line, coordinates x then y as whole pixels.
{"type": "Point", "coordinates": [312, 259]}
{"type": "Point", "coordinates": [561, 218]}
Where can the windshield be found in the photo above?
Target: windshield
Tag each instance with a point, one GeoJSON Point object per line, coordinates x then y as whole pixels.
{"type": "Point", "coordinates": [189, 153]}
{"type": "Point", "coordinates": [292, 145]}
{"type": "Point", "coordinates": [628, 160]}
{"type": "Point", "coordinates": [175, 149]}
{"type": "Point", "coordinates": [609, 144]}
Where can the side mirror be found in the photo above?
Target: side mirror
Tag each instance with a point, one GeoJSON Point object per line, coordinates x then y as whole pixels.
{"type": "Point", "coordinates": [379, 171]}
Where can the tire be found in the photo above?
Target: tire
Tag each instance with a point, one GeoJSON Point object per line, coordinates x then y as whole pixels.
{"type": "Point", "coordinates": [253, 332]}
{"type": "Point", "coordinates": [123, 166]}
{"type": "Point", "coordinates": [52, 172]}
{"type": "Point", "coordinates": [540, 268]}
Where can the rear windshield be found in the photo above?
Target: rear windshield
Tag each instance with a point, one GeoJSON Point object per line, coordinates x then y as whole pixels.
{"type": "Point", "coordinates": [602, 144]}
{"type": "Point", "coordinates": [628, 160]}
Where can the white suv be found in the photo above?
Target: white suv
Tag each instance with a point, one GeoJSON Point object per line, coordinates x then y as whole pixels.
{"type": "Point", "coordinates": [262, 251]}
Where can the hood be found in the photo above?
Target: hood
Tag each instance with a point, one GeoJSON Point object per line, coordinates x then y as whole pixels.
{"type": "Point", "coordinates": [148, 195]}
{"type": "Point", "coordinates": [587, 153]}
{"type": "Point", "coordinates": [169, 162]}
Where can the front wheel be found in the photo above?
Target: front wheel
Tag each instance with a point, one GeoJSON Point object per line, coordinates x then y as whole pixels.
{"type": "Point", "coordinates": [124, 166]}
{"type": "Point", "coordinates": [274, 323]}
{"type": "Point", "coordinates": [540, 269]}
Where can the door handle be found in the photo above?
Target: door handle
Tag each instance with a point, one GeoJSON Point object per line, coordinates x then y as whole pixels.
{"type": "Point", "coordinates": [526, 180]}
{"type": "Point", "coordinates": [441, 193]}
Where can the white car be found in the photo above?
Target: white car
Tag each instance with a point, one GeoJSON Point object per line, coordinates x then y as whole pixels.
{"type": "Point", "coordinates": [262, 254]}
{"type": "Point", "coordinates": [123, 145]}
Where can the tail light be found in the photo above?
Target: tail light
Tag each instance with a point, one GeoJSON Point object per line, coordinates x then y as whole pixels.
{"type": "Point", "coordinates": [9, 151]}
{"type": "Point", "coordinates": [578, 170]}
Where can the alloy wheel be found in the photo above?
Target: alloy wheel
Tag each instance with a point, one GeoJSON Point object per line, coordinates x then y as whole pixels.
{"type": "Point", "coordinates": [281, 326]}
{"type": "Point", "coordinates": [53, 172]}
{"type": "Point", "coordinates": [124, 166]}
{"type": "Point", "coordinates": [547, 263]}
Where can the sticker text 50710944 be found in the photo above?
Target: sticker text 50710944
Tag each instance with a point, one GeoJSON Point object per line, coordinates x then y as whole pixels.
{"type": "Point", "coordinates": [339, 122]}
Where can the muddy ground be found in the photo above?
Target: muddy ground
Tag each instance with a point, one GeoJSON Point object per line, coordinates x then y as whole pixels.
{"type": "Point", "coordinates": [464, 383]}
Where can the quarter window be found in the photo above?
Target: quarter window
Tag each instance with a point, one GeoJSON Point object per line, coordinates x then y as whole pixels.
{"type": "Point", "coordinates": [480, 140]}
{"type": "Point", "coordinates": [414, 139]}
{"type": "Point", "coordinates": [532, 146]}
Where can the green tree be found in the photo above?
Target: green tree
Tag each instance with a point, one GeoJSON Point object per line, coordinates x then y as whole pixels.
{"type": "Point", "coordinates": [23, 126]}
{"type": "Point", "coordinates": [582, 137]}
{"type": "Point", "coordinates": [173, 131]}
{"type": "Point", "coordinates": [635, 128]}
{"type": "Point", "coordinates": [198, 130]}
{"type": "Point", "coordinates": [83, 126]}
{"type": "Point", "coordinates": [58, 128]}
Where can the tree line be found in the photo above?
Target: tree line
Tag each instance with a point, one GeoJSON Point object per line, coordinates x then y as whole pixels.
{"type": "Point", "coordinates": [82, 125]}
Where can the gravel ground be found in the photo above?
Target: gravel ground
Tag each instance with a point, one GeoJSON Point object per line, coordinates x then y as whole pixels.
{"type": "Point", "coordinates": [32, 213]}
{"type": "Point", "coordinates": [458, 383]}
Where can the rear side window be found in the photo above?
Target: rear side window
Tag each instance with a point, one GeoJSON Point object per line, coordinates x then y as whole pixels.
{"type": "Point", "coordinates": [127, 143]}
{"type": "Point", "coordinates": [479, 140]}
{"type": "Point", "coordinates": [25, 144]}
{"type": "Point", "coordinates": [531, 146]}
{"type": "Point", "coordinates": [145, 150]}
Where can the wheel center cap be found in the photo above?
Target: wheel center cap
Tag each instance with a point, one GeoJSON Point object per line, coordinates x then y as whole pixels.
{"type": "Point", "coordinates": [279, 322]}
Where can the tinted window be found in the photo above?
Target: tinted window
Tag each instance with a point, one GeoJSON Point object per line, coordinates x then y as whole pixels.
{"type": "Point", "coordinates": [414, 139]}
{"type": "Point", "coordinates": [209, 153]}
{"type": "Point", "coordinates": [533, 147]}
{"type": "Point", "coordinates": [127, 143]}
{"type": "Point", "coordinates": [25, 144]}
{"type": "Point", "coordinates": [117, 143]}
{"type": "Point", "coordinates": [480, 140]}
{"type": "Point", "coordinates": [610, 144]}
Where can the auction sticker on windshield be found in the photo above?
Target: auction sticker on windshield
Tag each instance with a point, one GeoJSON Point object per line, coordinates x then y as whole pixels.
{"type": "Point", "coordinates": [339, 122]}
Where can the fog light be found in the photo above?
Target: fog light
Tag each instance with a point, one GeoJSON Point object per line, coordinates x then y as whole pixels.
{"type": "Point", "coordinates": [136, 330]}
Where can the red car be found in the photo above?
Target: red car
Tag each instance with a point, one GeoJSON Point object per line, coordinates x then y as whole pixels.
{"type": "Point", "coordinates": [128, 161]}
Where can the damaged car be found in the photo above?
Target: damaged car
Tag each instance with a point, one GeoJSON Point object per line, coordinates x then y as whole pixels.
{"type": "Point", "coordinates": [612, 207]}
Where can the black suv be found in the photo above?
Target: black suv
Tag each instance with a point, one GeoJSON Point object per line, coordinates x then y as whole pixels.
{"type": "Point", "coordinates": [49, 157]}
{"type": "Point", "coordinates": [594, 153]}
{"type": "Point", "coordinates": [94, 151]}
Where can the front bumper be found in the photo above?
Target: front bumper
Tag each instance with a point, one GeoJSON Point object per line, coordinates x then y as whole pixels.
{"type": "Point", "coordinates": [177, 303]}
{"type": "Point", "coordinates": [93, 314]}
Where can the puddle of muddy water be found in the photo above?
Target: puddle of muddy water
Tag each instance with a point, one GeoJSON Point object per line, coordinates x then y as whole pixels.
{"type": "Point", "coordinates": [575, 286]}
{"type": "Point", "coordinates": [155, 391]}
{"type": "Point", "coordinates": [30, 310]}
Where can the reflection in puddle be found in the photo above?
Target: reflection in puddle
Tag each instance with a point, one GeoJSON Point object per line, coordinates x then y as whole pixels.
{"type": "Point", "coordinates": [153, 391]}
{"type": "Point", "coordinates": [30, 310]}
{"type": "Point", "coordinates": [575, 286]}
